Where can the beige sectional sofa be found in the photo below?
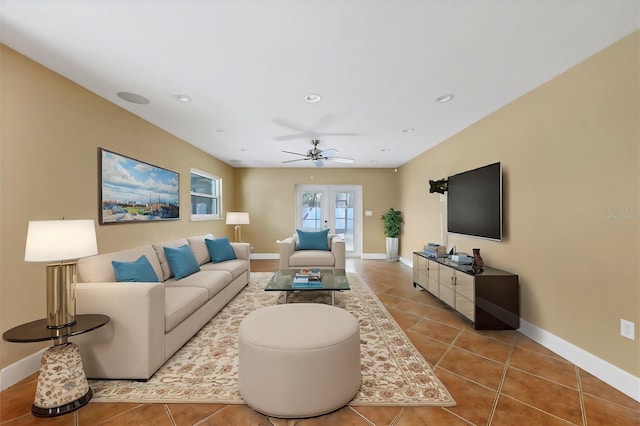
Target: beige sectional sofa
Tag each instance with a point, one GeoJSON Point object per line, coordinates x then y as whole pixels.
{"type": "Point", "coordinates": [151, 321]}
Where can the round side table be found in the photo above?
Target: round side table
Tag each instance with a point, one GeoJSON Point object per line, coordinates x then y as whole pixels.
{"type": "Point", "coordinates": [62, 384]}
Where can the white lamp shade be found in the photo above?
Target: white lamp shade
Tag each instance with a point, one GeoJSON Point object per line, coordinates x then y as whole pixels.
{"type": "Point", "coordinates": [57, 240]}
{"type": "Point", "coordinates": [237, 218]}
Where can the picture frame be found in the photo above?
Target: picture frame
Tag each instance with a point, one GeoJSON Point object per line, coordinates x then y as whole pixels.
{"type": "Point", "coordinates": [133, 191]}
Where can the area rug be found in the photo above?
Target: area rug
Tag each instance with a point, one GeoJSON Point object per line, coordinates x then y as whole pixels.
{"type": "Point", "coordinates": [205, 369]}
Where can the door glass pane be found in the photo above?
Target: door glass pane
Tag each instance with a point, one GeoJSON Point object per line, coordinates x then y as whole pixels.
{"type": "Point", "coordinates": [344, 217]}
{"type": "Point", "coordinates": [312, 211]}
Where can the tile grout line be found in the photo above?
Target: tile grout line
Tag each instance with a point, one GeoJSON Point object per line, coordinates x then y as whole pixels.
{"type": "Point", "coordinates": [581, 396]}
{"type": "Point", "coordinates": [397, 417]}
{"type": "Point", "coordinates": [168, 411]}
{"type": "Point", "coordinates": [362, 416]}
{"type": "Point", "coordinates": [568, 422]}
{"type": "Point", "coordinates": [502, 379]}
{"type": "Point", "coordinates": [437, 364]}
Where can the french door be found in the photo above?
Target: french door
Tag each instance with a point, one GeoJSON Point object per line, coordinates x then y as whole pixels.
{"type": "Point", "coordinates": [337, 207]}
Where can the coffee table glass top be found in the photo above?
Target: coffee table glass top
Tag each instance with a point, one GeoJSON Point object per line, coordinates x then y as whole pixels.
{"type": "Point", "coordinates": [332, 279]}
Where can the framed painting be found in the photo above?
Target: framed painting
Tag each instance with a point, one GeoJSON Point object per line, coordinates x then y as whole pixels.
{"type": "Point", "coordinates": [133, 191]}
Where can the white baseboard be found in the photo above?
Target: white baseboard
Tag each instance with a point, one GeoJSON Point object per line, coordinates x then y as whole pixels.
{"type": "Point", "coordinates": [625, 382]}
{"type": "Point", "coordinates": [408, 262]}
{"type": "Point", "coordinates": [21, 369]}
{"type": "Point", "coordinates": [263, 256]}
{"type": "Point", "coordinates": [365, 256]}
{"type": "Point", "coordinates": [373, 256]}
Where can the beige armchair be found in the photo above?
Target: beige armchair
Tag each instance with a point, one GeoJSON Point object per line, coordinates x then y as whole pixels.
{"type": "Point", "coordinates": [334, 258]}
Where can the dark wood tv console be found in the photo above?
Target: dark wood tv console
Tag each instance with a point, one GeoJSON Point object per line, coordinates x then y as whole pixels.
{"type": "Point", "coordinates": [489, 299]}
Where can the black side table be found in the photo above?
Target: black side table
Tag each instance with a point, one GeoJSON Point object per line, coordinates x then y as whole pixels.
{"type": "Point", "coordinates": [62, 384]}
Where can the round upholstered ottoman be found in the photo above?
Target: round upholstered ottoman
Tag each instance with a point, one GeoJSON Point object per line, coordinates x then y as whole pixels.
{"type": "Point", "coordinates": [298, 360]}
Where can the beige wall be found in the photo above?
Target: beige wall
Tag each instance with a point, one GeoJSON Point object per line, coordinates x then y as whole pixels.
{"type": "Point", "coordinates": [50, 133]}
{"type": "Point", "coordinates": [571, 159]}
{"type": "Point", "coordinates": [569, 149]}
{"type": "Point", "coordinates": [272, 191]}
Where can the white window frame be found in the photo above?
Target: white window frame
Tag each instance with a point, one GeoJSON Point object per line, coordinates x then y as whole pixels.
{"type": "Point", "coordinates": [218, 181]}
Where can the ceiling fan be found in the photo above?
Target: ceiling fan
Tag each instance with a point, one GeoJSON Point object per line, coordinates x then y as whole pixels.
{"type": "Point", "coordinates": [318, 156]}
{"type": "Point", "coordinates": [301, 132]}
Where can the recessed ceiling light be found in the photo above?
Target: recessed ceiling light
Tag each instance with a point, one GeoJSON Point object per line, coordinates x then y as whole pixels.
{"type": "Point", "coordinates": [181, 98]}
{"type": "Point", "coordinates": [235, 161]}
{"type": "Point", "coordinates": [313, 98]}
{"type": "Point", "coordinates": [244, 149]}
{"type": "Point", "coordinates": [385, 149]}
{"type": "Point", "coordinates": [218, 130]}
{"type": "Point", "coordinates": [444, 98]}
{"type": "Point", "coordinates": [409, 130]}
{"type": "Point", "coordinates": [133, 98]}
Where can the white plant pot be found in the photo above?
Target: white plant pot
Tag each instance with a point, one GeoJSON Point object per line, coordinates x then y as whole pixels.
{"type": "Point", "coordinates": [392, 249]}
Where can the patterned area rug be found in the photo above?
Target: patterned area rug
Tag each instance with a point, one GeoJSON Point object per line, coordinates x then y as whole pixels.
{"type": "Point", "coordinates": [205, 369]}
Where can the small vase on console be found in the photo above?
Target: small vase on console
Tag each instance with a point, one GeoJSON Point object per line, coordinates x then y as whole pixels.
{"type": "Point", "coordinates": [478, 263]}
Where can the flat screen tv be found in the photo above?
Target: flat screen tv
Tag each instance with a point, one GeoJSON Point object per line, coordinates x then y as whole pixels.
{"type": "Point", "coordinates": [474, 202]}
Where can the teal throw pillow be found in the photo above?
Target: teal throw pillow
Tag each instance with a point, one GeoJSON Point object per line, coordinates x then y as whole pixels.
{"type": "Point", "coordinates": [181, 261]}
{"type": "Point", "coordinates": [312, 240]}
{"type": "Point", "coordinates": [138, 271]}
{"type": "Point", "coordinates": [220, 249]}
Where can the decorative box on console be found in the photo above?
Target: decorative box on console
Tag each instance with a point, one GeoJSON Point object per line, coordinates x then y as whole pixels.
{"type": "Point", "coordinates": [435, 250]}
{"type": "Point", "coordinates": [461, 258]}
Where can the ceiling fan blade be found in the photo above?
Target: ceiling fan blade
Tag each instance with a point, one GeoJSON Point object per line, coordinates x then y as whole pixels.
{"type": "Point", "coordinates": [318, 163]}
{"type": "Point", "coordinates": [294, 136]}
{"type": "Point", "coordinates": [329, 151]}
{"type": "Point", "coordinates": [297, 159]}
{"type": "Point", "coordinates": [290, 125]}
{"type": "Point", "coordinates": [295, 153]}
{"type": "Point", "coordinates": [338, 134]}
{"type": "Point", "coordinates": [340, 160]}
{"type": "Point", "coordinates": [327, 120]}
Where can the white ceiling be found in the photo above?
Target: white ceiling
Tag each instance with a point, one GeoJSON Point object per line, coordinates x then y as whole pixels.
{"type": "Point", "coordinates": [379, 65]}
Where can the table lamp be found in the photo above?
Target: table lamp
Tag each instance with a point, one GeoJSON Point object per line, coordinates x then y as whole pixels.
{"type": "Point", "coordinates": [61, 241]}
{"type": "Point", "coordinates": [237, 219]}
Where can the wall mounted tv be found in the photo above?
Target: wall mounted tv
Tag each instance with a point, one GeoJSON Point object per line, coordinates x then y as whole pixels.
{"type": "Point", "coordinates": [474, 202]}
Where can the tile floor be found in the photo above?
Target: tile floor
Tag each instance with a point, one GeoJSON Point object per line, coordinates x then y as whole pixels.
{"type": "Point", "coordinates": [496, 377]}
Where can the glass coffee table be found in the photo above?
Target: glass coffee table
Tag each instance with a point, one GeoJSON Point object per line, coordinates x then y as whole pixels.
{"type": "Point", "coordinates": [331, 280]}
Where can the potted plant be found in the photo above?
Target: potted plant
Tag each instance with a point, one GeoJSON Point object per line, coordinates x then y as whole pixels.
{"type": "Point", "coordinates": [392, 220]}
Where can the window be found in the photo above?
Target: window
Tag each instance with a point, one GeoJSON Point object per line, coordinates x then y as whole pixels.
{"type": "Point", "coordinates": [206, 197]}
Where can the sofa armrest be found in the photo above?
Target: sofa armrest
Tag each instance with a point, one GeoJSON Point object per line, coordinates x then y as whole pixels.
{"type": "Point", "coordinates": [131, 345]}
{"type": "Point", "coordinates": [338, 250]}
{"type": "Point", "coordinates": [242, 250]}
{"type": "Point", "coordinates": [287, 247]}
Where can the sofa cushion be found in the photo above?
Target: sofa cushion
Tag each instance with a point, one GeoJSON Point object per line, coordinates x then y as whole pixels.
{"type": "Point", "coordinates": [212, 281]}
{"type": "Point", "coordinates": [162, 258]}
{"type": "Point", "coordinates": [312, 240]}
{"type": "Point", "coordinates": [199, 248]}
{"type": "Point", "coordinates": [180, 303]}
{"type": "Point", "coordinates": [98, 268]}
{"type": "Point", "coordinates": [234, 267]}
{"type": "Point", "coordinates": [137, 271]}
{"type": "Point", "coordinates": [182, 261]}
{"type": "Point", "coordinates": [311, 258]}
{"type": "Point", "coordinates": [220, 249]}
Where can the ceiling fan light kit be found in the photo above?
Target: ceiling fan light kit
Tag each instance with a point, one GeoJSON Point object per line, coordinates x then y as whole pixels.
{"type": "Point", "coordinates": [319, 156]}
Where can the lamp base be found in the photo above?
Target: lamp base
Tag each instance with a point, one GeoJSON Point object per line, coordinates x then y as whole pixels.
{"type": "Point", "coordinates": [237, 233]}
{"type": "Point", "coordinates": [63, 409]}
{"type": "Point", "coordinates": [62, 385]}
{"type": "Point", "coordinates": [61, 294]}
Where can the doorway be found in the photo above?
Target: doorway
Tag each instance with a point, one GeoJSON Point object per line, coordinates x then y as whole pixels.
{"type": "Point", "coordinates": [337, 207]}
